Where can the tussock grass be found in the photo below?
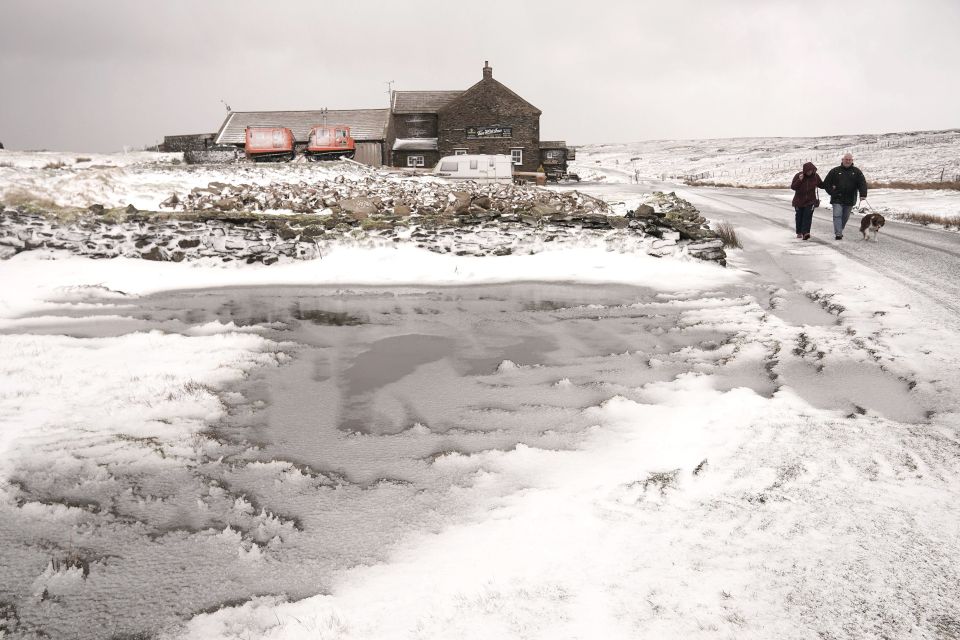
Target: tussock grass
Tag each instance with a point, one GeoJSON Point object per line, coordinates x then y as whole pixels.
{"type": "Point", "coordinates": [54, 165]}
{"type": "Point", "coordinates": [79, 160]}
{"type": "Point", "coordinates": [700, 183]}
{"type": "Point", "coordinates": [25, 199]}
{"type": "Point", "coordinates": [950, 185]}
{"type": "Point", "coordinates": [948, 222]}
{"type": "Point", "coordinates": [727, 233]}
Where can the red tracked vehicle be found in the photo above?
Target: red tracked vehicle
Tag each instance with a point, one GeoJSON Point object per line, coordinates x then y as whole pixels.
{"type": "Point", "coordinates": [269, 144]}
{"type": "Point", "coordinates": [330, 143]}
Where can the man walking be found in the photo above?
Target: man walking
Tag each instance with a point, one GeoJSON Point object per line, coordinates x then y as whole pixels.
{"type": "Point", "coordinates": [843, 183]}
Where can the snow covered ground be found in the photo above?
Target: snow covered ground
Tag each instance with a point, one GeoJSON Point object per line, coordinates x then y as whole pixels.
{"type": "Point", "coordinates": [908, 157]}
{"type": "Point", "coordinates": [143, 179]}
{"type": "Point", "coordinates": [653, 447]}
{"type": "Point", "coordinates": [769, 162]}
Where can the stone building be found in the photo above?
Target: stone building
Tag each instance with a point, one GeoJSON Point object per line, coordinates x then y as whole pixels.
{"type": "Point", "coordinates": [417, 129]}
{"type": "Point", "coordinates": [486, 118]}
{"type": "Point", "coordinates": [367, 126]}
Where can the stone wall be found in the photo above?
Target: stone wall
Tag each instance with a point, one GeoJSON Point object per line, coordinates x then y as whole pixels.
{"type": "Point", "coordinates": [193, 142]}
{"type": "Point", "coordinates": [415, 125]}
{"type": "Point", "coordinates": [496, 221]}
{"type": "Point", "coordinates": [430, 158]}
{"type": "Point", "coordinates": [219, 155]}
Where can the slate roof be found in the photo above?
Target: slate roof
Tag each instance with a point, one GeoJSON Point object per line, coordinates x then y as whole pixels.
{"type": "Point", "coordinates": [421, 101]}
{"type": "Point", "coordinates": [487, 82]}
{"type": "Point", "coordinates": [365, 124]}
{"type": "Point", "coordinates": [553, 144]}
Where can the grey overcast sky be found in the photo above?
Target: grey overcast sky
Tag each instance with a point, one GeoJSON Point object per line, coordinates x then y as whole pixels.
{"type": "Point", "coordinates": [97, 75]}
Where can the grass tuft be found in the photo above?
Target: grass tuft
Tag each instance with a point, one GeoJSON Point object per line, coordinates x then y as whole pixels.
{"type": "Point", "coordinates": [23, 198]}
{"type": "Point", "coordinates": [728, 234]}
{"type": "Point", "coordinates": [950, 185]}
{"type": "Point", "coordinates": [948, 222]}
{"type": "Point", "coordinates": [54, 165]}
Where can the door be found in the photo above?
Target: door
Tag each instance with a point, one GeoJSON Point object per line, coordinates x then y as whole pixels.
{"type": "Point", "coordinates": [369, 153]}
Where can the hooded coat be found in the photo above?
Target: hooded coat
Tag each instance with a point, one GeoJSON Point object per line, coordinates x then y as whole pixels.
{"type": "Point", "coordinates": [806, 186]}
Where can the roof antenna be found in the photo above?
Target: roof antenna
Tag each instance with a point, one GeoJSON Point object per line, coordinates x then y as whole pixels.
{"type": "Point", "coordinates": [389, 84]}
{"type": "Point", "coordinates": [225, 104]}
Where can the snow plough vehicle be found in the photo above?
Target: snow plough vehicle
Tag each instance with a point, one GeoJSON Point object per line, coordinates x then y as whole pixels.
{"type": "Point", "coordinates": [269, 144]}
{"type": "Point", "coordinates": [330, 143]}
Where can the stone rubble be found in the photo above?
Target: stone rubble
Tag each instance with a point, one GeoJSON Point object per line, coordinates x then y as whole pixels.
{"type": "Point", "coordinates": [242, 222]}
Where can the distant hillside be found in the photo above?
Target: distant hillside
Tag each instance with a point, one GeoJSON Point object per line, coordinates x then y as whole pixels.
{"type": "Point", "coordinates": [920, 156]}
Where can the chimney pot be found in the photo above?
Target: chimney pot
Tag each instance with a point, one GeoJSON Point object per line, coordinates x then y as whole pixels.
{"type": "Point", "coordinates": [487, 70]}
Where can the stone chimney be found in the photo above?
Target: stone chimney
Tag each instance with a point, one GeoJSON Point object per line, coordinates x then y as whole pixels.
{"type": "Point", "coordinates": [487, 70]}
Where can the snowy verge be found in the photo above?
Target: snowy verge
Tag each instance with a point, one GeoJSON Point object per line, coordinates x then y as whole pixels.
{"type": "Point", "coordinates": [59, 393]}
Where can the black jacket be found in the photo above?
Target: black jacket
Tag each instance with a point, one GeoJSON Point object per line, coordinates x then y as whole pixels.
{"type": "Point", "coordinates": [843, 183]}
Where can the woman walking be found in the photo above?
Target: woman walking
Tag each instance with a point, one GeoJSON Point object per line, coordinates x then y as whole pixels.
{"type": "Point", "coordinates": [805, 199]}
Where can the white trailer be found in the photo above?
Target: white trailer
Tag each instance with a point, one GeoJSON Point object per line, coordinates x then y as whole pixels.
{"type": "Point", "coordinates": [480, 168]}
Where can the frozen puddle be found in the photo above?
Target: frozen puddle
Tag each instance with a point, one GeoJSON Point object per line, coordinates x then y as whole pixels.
{"type": "Point", "coordinates": [324, 462]}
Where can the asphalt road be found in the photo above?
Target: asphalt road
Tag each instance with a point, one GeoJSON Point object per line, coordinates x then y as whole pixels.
{"type": "Point", "coordinates": [924, 259]}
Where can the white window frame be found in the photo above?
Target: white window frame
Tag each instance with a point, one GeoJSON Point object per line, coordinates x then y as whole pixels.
{"type": "Point", "coordinates": [516, 155]}
{"type": "Point", "coordinates": [459, 152]}
{"type": "Point", "coordinates": [415, 161]}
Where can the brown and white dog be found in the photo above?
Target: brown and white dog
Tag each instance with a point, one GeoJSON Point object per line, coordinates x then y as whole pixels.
{"type": "Point", "coordinates": [871, 223]}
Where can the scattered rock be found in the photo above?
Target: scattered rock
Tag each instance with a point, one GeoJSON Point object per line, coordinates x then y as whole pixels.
{"type": "Point", "coordinates": [359, 208]}
{"type": "Point", "coordinates": [543, 209]}
{"type": "Point", "coordinates": [227, 204]}
{"type": "Point", "coordinates": [155, 253]}
{"type": "Point", "coordinates": [170, 203]}
{"type": "Point", "coordinates": [368, 210]}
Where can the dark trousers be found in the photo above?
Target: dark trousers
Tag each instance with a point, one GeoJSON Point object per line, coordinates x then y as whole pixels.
{"type": "Point", "coordinates": [804, 219]}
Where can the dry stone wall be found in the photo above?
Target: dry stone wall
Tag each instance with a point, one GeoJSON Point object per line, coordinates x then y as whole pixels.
{"type": "Point", "coordinates": [231, 222]}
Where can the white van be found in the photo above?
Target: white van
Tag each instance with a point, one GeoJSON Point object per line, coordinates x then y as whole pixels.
{"type": "Point", "coordinates": [481, 168]}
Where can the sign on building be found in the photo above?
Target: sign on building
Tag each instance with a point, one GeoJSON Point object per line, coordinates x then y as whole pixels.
{"type": "Point", "coordinates": [495, 131]}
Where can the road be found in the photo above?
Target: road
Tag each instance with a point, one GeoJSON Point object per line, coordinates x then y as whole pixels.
{"type": "Point", "coordinates": [925, 260]}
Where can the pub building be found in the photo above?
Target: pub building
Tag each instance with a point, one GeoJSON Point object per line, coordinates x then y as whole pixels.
{"type": "Point", "coordinates": [487, 118]}
{"type": "Point", "coordinates": [417, 129]}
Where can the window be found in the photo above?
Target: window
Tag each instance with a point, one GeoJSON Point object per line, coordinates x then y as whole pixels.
{"type": "Point", "coordinates": [473, 164]}
{"type": "Point", "coordinates": [415, 161]}
{"type": "Point", "coordinates": [459, 152]}
{"type": "Point", "coordinates": [449, 165]}
{"type": "Point", "coordinates": [516, 155]}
